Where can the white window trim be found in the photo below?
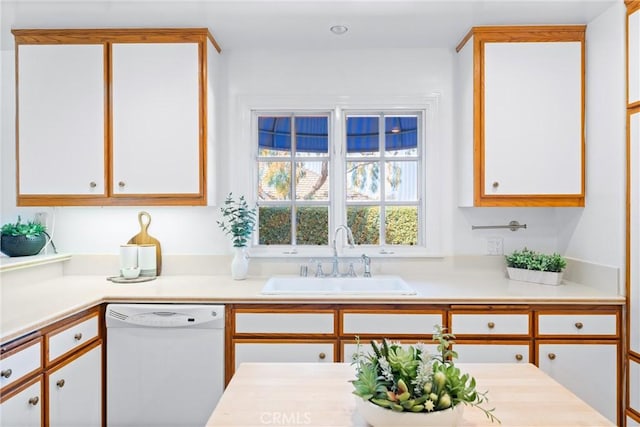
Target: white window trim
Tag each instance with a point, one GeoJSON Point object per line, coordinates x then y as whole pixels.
{"type": "Point", "coordinates": [337, 105]}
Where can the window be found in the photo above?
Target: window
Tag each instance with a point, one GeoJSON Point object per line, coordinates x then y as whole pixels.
{"type": "Point", "coordinates": [369, 176]}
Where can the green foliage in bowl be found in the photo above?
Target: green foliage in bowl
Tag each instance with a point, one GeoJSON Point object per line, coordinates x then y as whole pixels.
{"type": "Point", "coordinates": [531, 260]}
{"type": "Point", "coordinates": [29, 229]}
{"type": "Point", "coordinates": [409, 379]}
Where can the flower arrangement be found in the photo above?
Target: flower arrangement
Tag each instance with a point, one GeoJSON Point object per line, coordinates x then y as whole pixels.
{"type": "Point", "coordinates": [531, 260]}
{"type": "Point", "coordinates": [409, 379]}
{"type": "Point", "coordinates": [238, 220]}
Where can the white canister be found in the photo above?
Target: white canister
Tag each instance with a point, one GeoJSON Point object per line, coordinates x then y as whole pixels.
{"type": "Point", "coordinates": [128, 256]}
{"type": "Point", "coordinates": [147, 260]}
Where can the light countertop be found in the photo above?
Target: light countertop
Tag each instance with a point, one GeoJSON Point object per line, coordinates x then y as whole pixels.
{"type": "Point", "coordinates": [319, 394]}
{"type": "Point", "coordinates": [29, 305]}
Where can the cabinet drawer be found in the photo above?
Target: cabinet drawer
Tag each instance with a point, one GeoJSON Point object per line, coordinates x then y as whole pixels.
{"type": "Point", "coordinates": [490, 324]}
{"type": "Point", "coordinates": [283, 352]}
{"type": "Point", "coordinates": [492, 353]}
{"type": "Point", "coordinates": [349, 349]}
{"type": "Point", "coordinates": [285, 323]}
{"type": "Point", "coordinates": [396, 324]}
{"type": "Point", "coordinates": [72, 336]}
{"type": "Point", "coordinates": [577, 324]}
{"type": "Point", "coordinates": [17, 365]}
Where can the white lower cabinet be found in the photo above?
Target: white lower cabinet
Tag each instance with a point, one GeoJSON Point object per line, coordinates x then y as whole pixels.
{"type": "Point", "coordinates": [588, 370]}
{"type": "Point", "coordinates": [634, 385]}
{"type": "Point", "coordinates": [273, 351]}
{"type": "Point", "coordinates": [492, 353]}
{"type": "Point", "coordinates": [75, 391]}
{"type": "Point", "coordinates": [24, 407]}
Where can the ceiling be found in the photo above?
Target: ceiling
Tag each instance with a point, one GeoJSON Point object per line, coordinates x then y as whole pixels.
{"type": "Point", "coordinates": [302, 24]}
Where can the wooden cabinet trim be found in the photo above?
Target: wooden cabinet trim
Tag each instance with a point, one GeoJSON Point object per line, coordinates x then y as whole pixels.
{"type": "Point", "coordinates": [122, 35]}
{"type": "Point", "coordinates": [632, 6]}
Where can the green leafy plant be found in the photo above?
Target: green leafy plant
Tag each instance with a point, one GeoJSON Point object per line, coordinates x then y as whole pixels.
{"type": "Point", "coordinates": [238, 220]}
{"type": "Point", "coordinates": [409, 379]}
{"type": "Point", "coordinates": [531, 260]}
{"type": "Point", "coordinates": [29, 229]}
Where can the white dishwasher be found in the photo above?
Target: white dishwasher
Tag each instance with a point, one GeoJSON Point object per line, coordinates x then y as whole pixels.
{"type": "Point", "coordinates": [165, 364]}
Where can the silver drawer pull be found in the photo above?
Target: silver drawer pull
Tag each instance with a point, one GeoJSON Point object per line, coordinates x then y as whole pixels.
{"type": "Point", "coordinates": [579, 325]}
{"type": "Point", "coordinates": [491, 325]}
{"type": "Point", "coordinates": [6, 373]}
{"type": "Point", "coordinates": [34, 401]}
{"type": "Point", "coordinates": [519, 357]}
{"type": "Point", "coordinates": [322, 356]}
{"type": "Point", "coordinates": [78, 336]}
{"type": "Point", "coordinates": [551, 356]}
{"type": "Point", "coordinates": [60, 383]}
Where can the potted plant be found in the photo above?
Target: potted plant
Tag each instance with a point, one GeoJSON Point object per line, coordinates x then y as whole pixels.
{"type": "Point", "coordinates": [238, 221]}
{"type": "Point", "coordinates": [22, 239]}
{"type": "Point", "coordinates": [408, 386]}
{"type": "Point", "coordinates": [530, 266]}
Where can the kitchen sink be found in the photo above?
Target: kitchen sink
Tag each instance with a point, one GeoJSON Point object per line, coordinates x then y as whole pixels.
{"type": "Point", "coordinates": [293, 285]}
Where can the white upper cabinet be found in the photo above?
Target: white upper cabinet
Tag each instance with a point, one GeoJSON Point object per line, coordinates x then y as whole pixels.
{"type": "Point", "coordinates": [156, 123]}
{"type": "Point", "coordinates": [520, 109]}
{"type": "Point", "coordinates": [115, 116]}
{"type": "Point", "coordinates": [633, 37]}
{"type": "Point", "coordinates": [61, 116]}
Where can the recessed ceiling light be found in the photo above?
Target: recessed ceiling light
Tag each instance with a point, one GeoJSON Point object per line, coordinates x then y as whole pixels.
{"type": "Point", "coordinates": [339, 29]}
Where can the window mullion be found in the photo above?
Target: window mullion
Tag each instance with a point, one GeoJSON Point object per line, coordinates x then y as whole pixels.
{"type": "Point", "coordinates": [382, 176]}
{"type": "Point", "coordinates": [292, 187]}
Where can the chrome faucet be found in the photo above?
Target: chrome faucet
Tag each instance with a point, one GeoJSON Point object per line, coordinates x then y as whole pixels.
{"type": "Point", "coordinates": [367, 265]}
{"type": "Point", "coordinates": [350, 241]}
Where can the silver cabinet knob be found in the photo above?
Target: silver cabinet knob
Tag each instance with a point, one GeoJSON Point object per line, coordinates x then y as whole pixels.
{"type": "Point", "coordinates": [519, 357]}
{"type": "Point", "coordinates": [6, 373]}
{"type": "Point", "coordinates": [322, 356]}
{"type": "Point", "coordinates": [78, 336]}
{"type": "Point", "coordinates": [93, 184]}
{"type": "Point", "coordinates": [491, 325]}
{"type": "Point", "coordinates": [551, 356]}
{"type": "Point", "coordinates": [579, 325]}
{"type": "Point", "coordinates": [495, 184]}
{"type": "Point", "coordinates": [121, 184]}
{"type": "Point", "coordinates": [60, 383]}
{"type": "Point", "coordinates": [34, 400]}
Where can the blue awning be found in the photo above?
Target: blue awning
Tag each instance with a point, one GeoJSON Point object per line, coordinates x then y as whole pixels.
{"type": "Point", "coordinates": [312, 133]}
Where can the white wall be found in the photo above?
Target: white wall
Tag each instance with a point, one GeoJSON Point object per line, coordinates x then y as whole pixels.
{"type": "Point", "coordinates": [329, 75]}
{"type": "Point", "coordinates": [597, 233]}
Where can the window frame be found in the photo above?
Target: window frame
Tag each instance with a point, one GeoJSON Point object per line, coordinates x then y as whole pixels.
{"type": "Point", "coordinates": [430, 177]}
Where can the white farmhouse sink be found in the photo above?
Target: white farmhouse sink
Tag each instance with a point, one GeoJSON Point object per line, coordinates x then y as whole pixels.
{"type": "Point", "coordinates": [292, 285]}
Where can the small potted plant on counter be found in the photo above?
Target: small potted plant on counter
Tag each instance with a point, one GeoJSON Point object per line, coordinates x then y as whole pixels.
{"type": "Point", "coordinates": [22, 239]}
{"type": "Point", "coordinates": [530, 266]}
{"type": "Point", "coordinates": [238, 220]}
{"type": "Point", "coordinates": [407, 386]}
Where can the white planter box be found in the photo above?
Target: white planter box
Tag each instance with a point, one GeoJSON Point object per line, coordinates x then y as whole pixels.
{"type": "Point", "coordinates": [535, 276]}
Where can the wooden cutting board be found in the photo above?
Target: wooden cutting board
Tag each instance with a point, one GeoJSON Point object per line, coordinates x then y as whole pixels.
{"type": "Point", "coordinates": [143, 238]}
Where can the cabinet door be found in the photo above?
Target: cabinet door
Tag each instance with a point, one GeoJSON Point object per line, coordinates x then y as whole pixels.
{"type": "Point", "coordinates": [533, 118]}
{"type": "Point", "coordinates": [492, 353]}
{"type": "Point", "coordinates": [588, 370]}
{"type": "Point", "coordinates": [634, 230]}
{"type": "Point", "coordinates": [271, 351]}
{"type": "Point", "coordinates": [23, 408]}
{"type": "Point", "coordinates": [156, 119]}
{"type": "Point", "coordinates": [634, 385]}
{"type": "Point", "coordinates": [61, 120]}
{"type": "Point", "coordinates": [75, 391]}
{"type": "Point", "coordinates": [634, 56]}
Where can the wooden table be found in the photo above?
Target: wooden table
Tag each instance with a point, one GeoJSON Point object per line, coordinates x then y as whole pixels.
{"type": "Point", "coordinates": [319, 394]}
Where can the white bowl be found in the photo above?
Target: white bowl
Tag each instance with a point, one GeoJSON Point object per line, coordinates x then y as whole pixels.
{"type": "Point", "coordinates": [130, 273]}
{"type": "Point", "coordinates": [378, 416]}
